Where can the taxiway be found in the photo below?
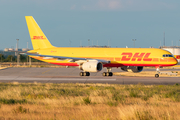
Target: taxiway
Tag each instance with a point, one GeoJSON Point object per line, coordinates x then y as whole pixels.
{"type": "Point", "coordinates": [71, 75]}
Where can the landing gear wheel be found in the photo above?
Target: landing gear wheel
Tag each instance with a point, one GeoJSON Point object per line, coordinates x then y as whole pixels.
{"type": "Point", "coordinates": [87, 73]}
{"type": "Point", "coordinates": [81, 73]}
{"type": "Point", "coordinates": [84, 74]}
{"type": "Point", "coordinates": [156, 75]}
{"type": "Point", "coordinates": [107, 74]}
{"type": "Point", "coordinates": [104, 73]}
{"type": "Point", "coordinates": [110, 74]}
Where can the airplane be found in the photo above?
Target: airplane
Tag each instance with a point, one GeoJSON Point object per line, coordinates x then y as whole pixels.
{"type": "Point", "coordinates": [95, 59]}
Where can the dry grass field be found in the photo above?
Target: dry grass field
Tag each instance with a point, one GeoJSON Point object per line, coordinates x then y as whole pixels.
{"type": "Point", "coordinates": [89, 101]}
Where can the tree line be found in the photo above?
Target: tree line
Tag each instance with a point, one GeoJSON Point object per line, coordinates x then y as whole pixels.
{"type": "Point", "coordinates": [13, 58]}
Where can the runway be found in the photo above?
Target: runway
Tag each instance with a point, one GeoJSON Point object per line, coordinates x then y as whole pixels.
{"type": "Point", "coordinates": [71, 75]}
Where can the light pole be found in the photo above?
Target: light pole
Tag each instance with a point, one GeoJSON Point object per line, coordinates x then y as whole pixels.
{"type": "Point", "coordinates": [17, 44]}
{"type": "Point", "coordinates": [1, 60]}
{"type": "Point", "coordinates": [179, 41]}
{"type": "Point", "coordinates": [88, 42]}
{"type": "Point", "coordinates": [134, 42]}
{"type": "Point", "coordinates": [17, 53]}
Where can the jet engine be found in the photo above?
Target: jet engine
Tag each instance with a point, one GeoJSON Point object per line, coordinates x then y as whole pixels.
{"type": "Point", "coordinates": [91, 66]}
{"type": "Point", "coordinates": [134, 69]}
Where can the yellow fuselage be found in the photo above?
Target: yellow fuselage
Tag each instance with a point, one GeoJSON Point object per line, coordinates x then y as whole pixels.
{"type": "Point", "coordinates": [118, 56]}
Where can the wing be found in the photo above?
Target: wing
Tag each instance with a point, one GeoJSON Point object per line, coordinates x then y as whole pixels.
{"type": "Point", "coordinates": [72, 59]}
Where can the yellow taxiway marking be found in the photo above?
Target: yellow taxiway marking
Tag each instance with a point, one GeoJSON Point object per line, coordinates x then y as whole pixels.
{"type": "Point", "coordinates": [1, 68]}
{"type": "Point", "coordinates": [47, 70]}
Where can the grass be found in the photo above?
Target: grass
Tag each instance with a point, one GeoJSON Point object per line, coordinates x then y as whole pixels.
{"type": "Point", "coordinates": [12, 101]}
{"type": "Point", "coordinates": [89, 101]}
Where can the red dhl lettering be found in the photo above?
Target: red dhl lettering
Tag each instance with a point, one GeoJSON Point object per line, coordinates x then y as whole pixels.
{"type": "Point", "coordinates": [146, 57]}
{"type": "Point", "coordinates": [136, 57]}
{"type": "Point", "coordinates": [38, 37]}
{"type": "Point", "coordinates": [126, 56]}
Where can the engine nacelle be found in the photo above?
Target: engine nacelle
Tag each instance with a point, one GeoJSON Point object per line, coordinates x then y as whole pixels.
{"type": "Point", "coordinates": [134, 69]}
{"type": "Point", "coordinates": [91, 66]}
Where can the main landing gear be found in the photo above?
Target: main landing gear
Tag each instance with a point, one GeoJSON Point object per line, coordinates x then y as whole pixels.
{"type": "Point", "coordinates": [108, 73]}
{"type": "Point", "coordinates": [84, 74]}
{"type": "Point", "coordinates": [157, 72]}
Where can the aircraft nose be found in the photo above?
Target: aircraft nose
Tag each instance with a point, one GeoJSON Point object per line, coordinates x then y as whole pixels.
{"type": "Point", "coordinates": [175, 61]}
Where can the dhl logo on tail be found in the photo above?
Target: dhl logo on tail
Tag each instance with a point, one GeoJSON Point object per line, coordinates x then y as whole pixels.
{"type": "Point", "coordinates": [127, 56]}
{"type": "Point", "coordinates": [38, 37]}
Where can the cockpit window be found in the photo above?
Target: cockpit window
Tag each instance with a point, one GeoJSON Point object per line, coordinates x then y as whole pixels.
{"type": "Point", "coordinates": [167, 55]}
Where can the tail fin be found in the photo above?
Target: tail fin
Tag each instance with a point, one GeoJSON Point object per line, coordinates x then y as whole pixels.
{"type": "Point", "coordinates": [38, 39]}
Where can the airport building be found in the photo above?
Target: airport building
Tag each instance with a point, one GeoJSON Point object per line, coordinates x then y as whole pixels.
{"type": "Point", "coordinates": [12, 49]}
{"type": "Point", "coordinates": [25, 49]}
{"type": "Point", "coordinates": [175, 50]}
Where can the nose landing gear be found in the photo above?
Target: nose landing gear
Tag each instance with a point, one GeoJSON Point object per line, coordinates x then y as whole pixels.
{"type": "Point", "coordinates": [156, 75]}
{"type": "Point", "coordinates": [157, 72]}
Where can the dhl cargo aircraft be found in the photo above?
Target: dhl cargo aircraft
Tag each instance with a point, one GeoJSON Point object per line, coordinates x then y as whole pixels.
{"type": "Point", "coordinates": [94, 59]}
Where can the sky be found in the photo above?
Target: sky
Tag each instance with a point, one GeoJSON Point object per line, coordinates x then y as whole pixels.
{"type": "Point", "coordinates": [104, 22]}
